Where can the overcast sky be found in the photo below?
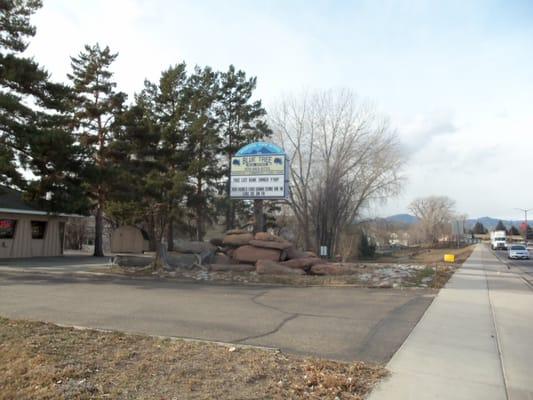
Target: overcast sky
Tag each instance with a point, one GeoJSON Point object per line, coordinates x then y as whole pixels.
{"type": "Point", "coordinates": [455, 77]}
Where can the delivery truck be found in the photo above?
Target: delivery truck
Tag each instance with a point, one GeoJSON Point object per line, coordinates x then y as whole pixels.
{"type": "Point", "coordinates": [498, 240]}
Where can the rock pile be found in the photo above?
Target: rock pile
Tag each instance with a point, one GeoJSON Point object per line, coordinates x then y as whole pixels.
{"type": "Point", "coordinates": [269, 255]}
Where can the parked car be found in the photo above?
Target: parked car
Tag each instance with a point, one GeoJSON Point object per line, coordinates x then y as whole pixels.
{"type": "Point", "coordinates": [518, 251]}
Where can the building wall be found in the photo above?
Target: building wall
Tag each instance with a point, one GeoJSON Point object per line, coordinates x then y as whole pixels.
{"type": "Point", "coordinates": [128, 239]}
{"type": "Point", "coordinates": [22, 245]}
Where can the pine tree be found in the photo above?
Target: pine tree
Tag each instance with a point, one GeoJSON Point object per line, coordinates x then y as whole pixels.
{"type": "Point", "coordinates": [153, 186]}
{"type": "Point", "coordinates": [500, 226]}
{"type": "Point", "coordinates": [34, 123]}
{"type": "Point", "coordinates": [241, 121]}
{"type": "Point", "coordinates": [513, 231]}
{"type": "Point", "coordinates": [202, 145]}
{"type": "Point", "coordinates": [96, 107]}
{"type": "Point", "coordinates": [479, 229]}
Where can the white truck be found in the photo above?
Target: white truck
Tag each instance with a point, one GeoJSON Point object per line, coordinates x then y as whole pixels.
{"type": "Point", "coordinates": [498, 240]}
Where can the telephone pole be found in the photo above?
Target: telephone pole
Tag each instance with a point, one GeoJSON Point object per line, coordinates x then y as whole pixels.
{"type": "Point", "coordinates": [525, 211]}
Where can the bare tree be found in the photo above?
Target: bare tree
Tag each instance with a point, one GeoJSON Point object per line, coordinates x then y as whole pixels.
{"type": "Point", "coordinates": [343, 157]}
{"type": "Point", "coordinates": [435, 214]}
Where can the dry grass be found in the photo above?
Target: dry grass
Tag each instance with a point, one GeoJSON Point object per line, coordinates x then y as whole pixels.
{"type": "Point", "coordinates": [427, 256]}
{"type": "Point", "coordinates": [43, 361]}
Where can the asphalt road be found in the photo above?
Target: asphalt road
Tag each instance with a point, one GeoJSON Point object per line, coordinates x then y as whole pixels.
{"type": "Point", "coordinates": [524, 268]}
{"type": "Point", "coordinates": [337, 323]}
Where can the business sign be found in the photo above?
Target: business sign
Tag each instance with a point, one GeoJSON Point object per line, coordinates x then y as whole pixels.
{"type": "Point", "coordinates": [259, 171]}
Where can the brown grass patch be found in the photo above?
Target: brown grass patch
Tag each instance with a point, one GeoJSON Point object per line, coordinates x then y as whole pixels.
{"type": "Point", "coordinates": [43, 361]}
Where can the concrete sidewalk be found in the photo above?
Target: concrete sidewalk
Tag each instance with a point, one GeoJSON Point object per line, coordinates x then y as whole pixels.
{"type": "Point", "coordinates": [474, 341]}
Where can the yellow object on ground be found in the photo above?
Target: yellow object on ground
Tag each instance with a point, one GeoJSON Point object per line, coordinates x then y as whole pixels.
{"type": "Point", "coordinates": [449, 258]}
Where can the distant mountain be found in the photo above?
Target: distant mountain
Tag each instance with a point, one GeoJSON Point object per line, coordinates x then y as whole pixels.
{"type": "Point", "coordinates": [490, 223]}
{"type": "Point", "coordinates": [403, 218]}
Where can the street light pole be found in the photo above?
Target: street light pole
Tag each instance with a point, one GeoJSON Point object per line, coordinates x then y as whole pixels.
{"type": "Point", "coordinates": [525, 211]}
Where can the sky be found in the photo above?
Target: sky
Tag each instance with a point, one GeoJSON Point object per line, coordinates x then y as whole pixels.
{"type": "Point", "coordinates": [455, 78]}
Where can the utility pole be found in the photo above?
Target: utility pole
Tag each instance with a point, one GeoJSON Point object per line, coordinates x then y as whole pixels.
{"type": "Point", "coordinates": [525, 211]}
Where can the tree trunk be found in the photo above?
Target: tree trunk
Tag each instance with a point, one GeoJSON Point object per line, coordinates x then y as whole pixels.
{"type": "Point", "coordinates": [259, 218]}
{"type": "Point", "coordinates": [170, 235]}
{"type": "Point", "coordinates": [98, 232]}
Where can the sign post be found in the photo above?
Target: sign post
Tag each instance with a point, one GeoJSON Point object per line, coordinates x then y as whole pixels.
{"type": "Point", "coordinates": [259, 171]}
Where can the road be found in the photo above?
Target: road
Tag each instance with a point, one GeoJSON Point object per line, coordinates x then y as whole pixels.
{"type": "Point", "coordinates": [524, 268]}
{"type": "Point", "coordinates": [337, 323]}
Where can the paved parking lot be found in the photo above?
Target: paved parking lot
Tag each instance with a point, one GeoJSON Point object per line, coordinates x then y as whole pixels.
{"type": "Point", "coordinates": [337, 323]}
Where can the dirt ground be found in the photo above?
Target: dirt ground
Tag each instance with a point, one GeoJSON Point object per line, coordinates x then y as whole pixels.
{"type": "Point", "coordinates": [44, 361]}
{"type": "Point", "coordinates": [427, 256]}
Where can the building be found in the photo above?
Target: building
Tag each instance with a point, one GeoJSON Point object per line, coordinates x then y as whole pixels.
{"type": "Point", "coordinates": [26, 231]}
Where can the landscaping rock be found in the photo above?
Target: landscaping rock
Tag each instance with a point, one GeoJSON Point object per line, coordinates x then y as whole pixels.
{"type": "Point", "coordinates": [218, 242]}
{"type": "Point", "coordinates": [250, 254]}
{"type": "Point", "coordinates": [332, 269]}
{"type": "Point", "coordinates": [238, 239]}
{"type": "Point", "coordinates": [270, 244]}
{"type": "Point", "coordinates": [193, 247]}
{"type": "Point", "coordinates": [267, 267]}
{"type": "Point", "coordinates": [268, 237]}
{"type": "Point", "coordinates": [236, 231]}
{"type": "Point", "coordinates": [232, 268]}
{"type": "Point", "coordinates": [131, 261]}
{"type": "Point", "coordinates": [303, 263]}
{"type": "Point", "coordinates": [221, 258]}
{"type": "Point", "coordinates": [186, 261]}
{"type": "Point", "coordinates": [293, 253]}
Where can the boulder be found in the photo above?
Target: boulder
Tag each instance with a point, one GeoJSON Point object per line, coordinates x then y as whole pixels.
{"type": "Point", "coordinates": [216, 241]}
{"type": "Point", "coordinates": [186, 261]}
{"type": "Point", "coordinates": [193, 247]}
{"type": "Point", "coordinates": [250, 254]}
{"type": "Point", "coordinates": [270, 244]}
{"type": "Point", "coordinates": [303, 263]}
{"type": "Point", "coordinates": [237, 239]}
{"type": "Point", "coordinates": [310, 254]}
{"type": "Point", "coordinates": [132, 261]}
{"type": "Point", "coordinates": [293, 253]}
{"type": "Point", "coordinates": [236, 231]}
{"type": "Point", "coordinates": [267, 267]}
{"type": "Point", "coordinates": [221, 258]}
{"type": "Point", "coordinates": [332, 269]}
{"type": "Point", "coordinates": [232, 267]}
{"type": "Point", "coordinates": [268, 237]}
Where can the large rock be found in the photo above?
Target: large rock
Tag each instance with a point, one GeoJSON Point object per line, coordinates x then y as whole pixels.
{"type": "Point", "coordinates": [332, 269]}
{"type": "Point", "coordinates": [232, 267]}
{"type": "Point", "coordinates": [303, 263]}
{"type": "Point", "coordinates": [268, 237]}
{"type": "Point", "coordinates": [250, 254]}
{"type": "Point", "coordinates": [293, 253]}
{"type": "Point", "coordinates": [270, 244]}
{"type": "Point", "coordinates": [267, 267]}
{"type": "Point", "coordinates": [192, 247]}
{"type": "Point", "coordinates": [238, 239]}
{"type": "Point", "coordinates": [186, 261]}
{"type": "Point", "coordinates": [236, 231]}
{"type": "Point", "coordinates": [132, 261]}
{"type": "Point", "coordinates": [221, 258]}
{"type": "Point", "coordinates": [216, 241]}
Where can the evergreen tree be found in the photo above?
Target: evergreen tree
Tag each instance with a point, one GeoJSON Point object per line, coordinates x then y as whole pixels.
{"type": "Point", "coordinates": [34, 124]}
{"type": "Point", "coordinates": [513, 231]}
{"type": "Point", "coordinates": [500, 226]}
{"type": "Point", "coordinates": [202, 146]}
{"type": "Point", "coordinates": [241, 121]}
{"type": "Point", "coordinates": [479, 229]}
{"type": "Point", "coordinates": [367, 248]}
{"type": "Point", "coordinates": [153, 186]}
{"type": "Point", "coordinates": [95, 108]}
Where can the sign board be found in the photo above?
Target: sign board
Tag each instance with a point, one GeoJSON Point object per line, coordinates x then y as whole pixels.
{"type": "Point", "coordinates": [259, 171]}
{"type": "Point", "coordinates": [323, 251]}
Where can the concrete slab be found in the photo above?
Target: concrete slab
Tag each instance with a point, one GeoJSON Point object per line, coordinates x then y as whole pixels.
{"type": "Point", "coordinates": [453, 351]}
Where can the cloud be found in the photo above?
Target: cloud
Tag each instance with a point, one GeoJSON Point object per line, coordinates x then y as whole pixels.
{"type": "Point", "coordinates": [418, 132]}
